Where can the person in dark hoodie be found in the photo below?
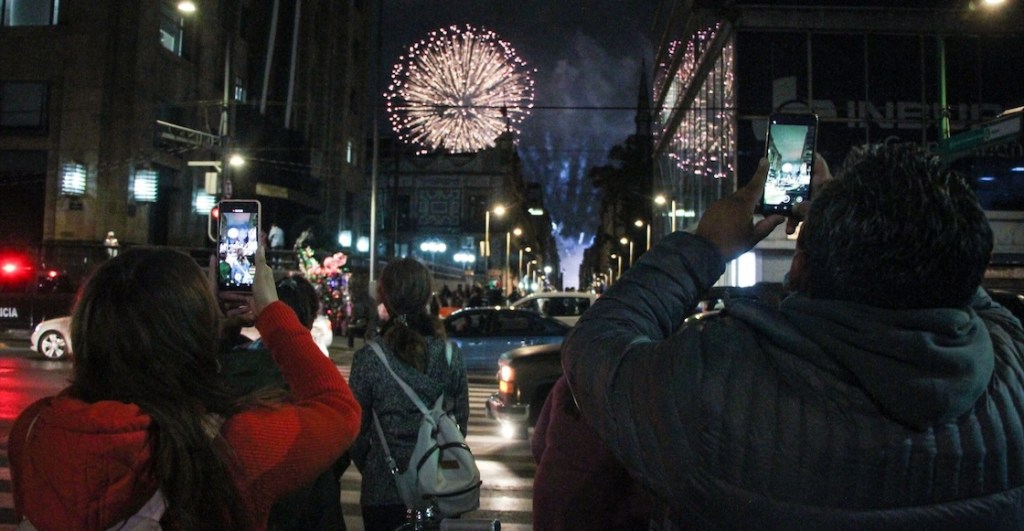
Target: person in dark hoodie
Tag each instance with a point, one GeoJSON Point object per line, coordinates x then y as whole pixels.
{"type": "Point", "coordinates": [886, 392]}
{"type": "Point", "coordinates": [249, 368]}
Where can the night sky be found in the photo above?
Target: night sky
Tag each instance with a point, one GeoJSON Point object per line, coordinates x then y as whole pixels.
{"type": "Point", "coordinates": [587, 56]}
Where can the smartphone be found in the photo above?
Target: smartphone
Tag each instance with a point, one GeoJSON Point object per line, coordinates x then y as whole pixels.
{"type": "Point", "coordinates": [790, 152]}
{"type": "Point", "coordinates": [238, 237]}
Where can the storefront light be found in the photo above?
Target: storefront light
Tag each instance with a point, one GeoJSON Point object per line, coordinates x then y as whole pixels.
{"type": "Point", "coordinates": [204, 202]}
{"type": "Point", "coordinates": [144, 187]}
{"type": "Point", "coordinates": [72, 179]}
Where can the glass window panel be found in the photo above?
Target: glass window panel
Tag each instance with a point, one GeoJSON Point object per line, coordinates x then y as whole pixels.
{"type": "Point", "coordinates": [30, 12]}
{"type": "Point", "coordinates": [22, 105]}
{"type": "Point", "coordinates": [170, 29]}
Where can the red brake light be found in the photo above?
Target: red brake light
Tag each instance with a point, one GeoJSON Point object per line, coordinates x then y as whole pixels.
{"type": "Point", "coordinates": [9, 268]}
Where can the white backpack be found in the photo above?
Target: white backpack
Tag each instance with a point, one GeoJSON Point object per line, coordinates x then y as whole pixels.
{"type": "Point", "coordinates": [442, 470]}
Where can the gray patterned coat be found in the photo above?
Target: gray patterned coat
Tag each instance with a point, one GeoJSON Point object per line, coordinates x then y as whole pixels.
{"type": "Point", "coordinates": [375, 389]}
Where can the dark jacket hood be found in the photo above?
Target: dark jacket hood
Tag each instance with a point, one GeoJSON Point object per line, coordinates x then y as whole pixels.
{"type": "Point", "coordinates": [921, 367]}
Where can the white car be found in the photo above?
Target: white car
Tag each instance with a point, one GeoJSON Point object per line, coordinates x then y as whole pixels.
{"type": "Point", "coordinates": [52, 338]}
{"type": "Point", "coordinates": [566, 306]}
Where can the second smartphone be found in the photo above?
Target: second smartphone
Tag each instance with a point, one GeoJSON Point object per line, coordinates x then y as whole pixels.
{"type": "Point", "coordinates": [790, 152]}
{"type": "Point", "coordinates": [238, 237]}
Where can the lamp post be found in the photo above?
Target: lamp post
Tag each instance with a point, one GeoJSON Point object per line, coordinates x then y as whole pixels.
{"type": "Point", "coordinates": [618, 274]}
{"type": "Point", "coordinates": [508, 254]}
{"type": "Point", "coordinates": [640, 223]}
{"type": "Point", "coordinates": [624, 241]}
{"type": "Point", "coordinates": [228, 160]}
{"type": "Point", "coordinates": [940, 42]}
{"type": "Point", "coordinates": [499, 210]}
{"type": "Point", "coordinates": [661, 200]}
{"type": "Point", "coordinates": [519, 270]}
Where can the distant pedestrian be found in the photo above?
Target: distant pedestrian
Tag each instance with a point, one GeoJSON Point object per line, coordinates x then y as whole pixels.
{"type": "Point", "coordinates": [305, 239]}
{"type": "Point", "coordinates": [111, 244]}
{"type": "Point", "coordinates": [275, 236]}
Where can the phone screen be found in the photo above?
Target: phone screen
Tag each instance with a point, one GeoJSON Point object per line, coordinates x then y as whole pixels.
{"type": "Point", "coordinates": [237, 241]}
{"type": "Point", "coordinates": [790, 153]}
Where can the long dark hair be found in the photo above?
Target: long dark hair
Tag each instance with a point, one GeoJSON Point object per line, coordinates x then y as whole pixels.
{"type": "Point", "coordinates": [145, 331]}
{"type": "Point", "coordinates": [405, 289]}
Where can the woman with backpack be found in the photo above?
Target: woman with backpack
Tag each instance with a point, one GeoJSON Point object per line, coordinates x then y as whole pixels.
{"type": "Point", "coordinates": [414, 344]}
{"type": "Point", "coordinates": [148, 418]}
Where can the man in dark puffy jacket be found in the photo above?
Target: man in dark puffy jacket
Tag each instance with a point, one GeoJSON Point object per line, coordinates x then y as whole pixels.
{"type": "Point", "coordinates": [887, 392]}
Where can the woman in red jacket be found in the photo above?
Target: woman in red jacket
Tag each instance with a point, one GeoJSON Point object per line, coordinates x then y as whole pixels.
{"type": "Point", "coordinates": [145, 402]}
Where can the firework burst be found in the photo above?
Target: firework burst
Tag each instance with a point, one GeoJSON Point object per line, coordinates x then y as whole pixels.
{"type": "Point", "coordinates": [457, 90]}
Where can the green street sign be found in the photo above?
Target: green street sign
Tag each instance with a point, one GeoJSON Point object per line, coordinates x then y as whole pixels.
{"type": "Point", "coordinates": [1001, 130]}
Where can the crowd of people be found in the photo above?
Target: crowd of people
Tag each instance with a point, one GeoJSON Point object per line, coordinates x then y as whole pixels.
{"type": "Point", "coordinates": [884, 391]}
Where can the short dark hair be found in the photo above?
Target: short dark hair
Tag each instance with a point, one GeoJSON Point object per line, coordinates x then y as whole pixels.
{"type": "Point", "coordinates": [896, 229]}
{"type": "Point", "coordinates": [301, 296]}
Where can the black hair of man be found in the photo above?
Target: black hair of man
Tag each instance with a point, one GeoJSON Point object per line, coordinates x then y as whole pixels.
{"type": "Point", "coordinates": [895, 229]}
{"type": "Point", "coordinates": [300, 295]}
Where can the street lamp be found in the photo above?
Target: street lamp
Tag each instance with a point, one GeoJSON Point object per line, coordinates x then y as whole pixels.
{"type": "Point", "coordinates": [464, 258]}
{"type": "Point", "coordinates": [940, 42]}
{"type": "Point", "coordinates": [507, 273]}
{"type": "Point", "coordinates": [616, 256]}
{"type": "Point", "coordinates": [228, 160]}
{"type": "Point", "coordinates": [519, 270]}
{"type": "Point", "coordinates": [640, 223]}
{"type": "Point", "coordinates": [528, 266]}
{"type": "Point", "coordinates": [624, 240]}
{"type": "Point", "coordinates": [499, 210]}
{"type": "Point", "coordinates": [661, 200]}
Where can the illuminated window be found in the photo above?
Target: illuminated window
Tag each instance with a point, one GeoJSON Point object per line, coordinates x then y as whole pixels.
{"type": "Point", "coordinates": [204, 202]}
{"type": "Point", "coordinates": [30, 12]}
{"type": "Point", "coordinates": [72, 179]}
{"type": "Point", "coordinates": [144, 187]}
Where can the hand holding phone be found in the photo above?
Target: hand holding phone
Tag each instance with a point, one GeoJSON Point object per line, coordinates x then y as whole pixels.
{"type": "Point", "coordinates": [238, 238]}
{"type": "Point", "coordinates": [790, 152]}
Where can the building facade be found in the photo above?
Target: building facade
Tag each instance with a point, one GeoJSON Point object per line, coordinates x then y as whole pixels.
{"type": "Point", "coordinates": [446, 208]}
{"type": "Point", "coordinates": [122, 116]}
{"type": "Point", "coordinates": [872, 73]}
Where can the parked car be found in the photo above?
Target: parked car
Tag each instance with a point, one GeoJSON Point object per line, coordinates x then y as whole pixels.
{"type": "Point", "coordinates": [484, 333]}
{"type": "Point", "coordinates": [52, 338]}
{"type": "Point", "coordinates": [566, 306]}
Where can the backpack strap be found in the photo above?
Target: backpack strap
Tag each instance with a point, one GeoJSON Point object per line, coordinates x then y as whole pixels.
{"type": "Point", "coordinates": [401, 383]}
{"type": "Point", "coordinates": [390, 461]}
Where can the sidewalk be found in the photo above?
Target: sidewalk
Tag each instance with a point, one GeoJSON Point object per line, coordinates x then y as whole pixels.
{"type": "Point", "coordinates": [341, 353]}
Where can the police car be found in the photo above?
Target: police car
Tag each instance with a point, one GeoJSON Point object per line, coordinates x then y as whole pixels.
{"type": "Point", "coordinates": [30, 294]}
